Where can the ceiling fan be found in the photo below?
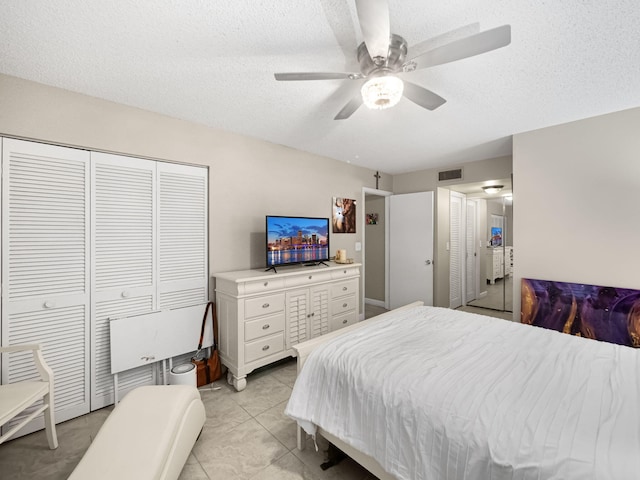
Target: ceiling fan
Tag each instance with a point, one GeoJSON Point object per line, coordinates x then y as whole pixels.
{"type": "Point", "coordinates": [383, 56]}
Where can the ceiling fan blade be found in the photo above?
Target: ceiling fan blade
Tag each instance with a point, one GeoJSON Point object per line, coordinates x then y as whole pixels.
{"type": "Point", "coordinates": [421, 96]}
{"type": "Point", "coordinates": [466, 47]}
{"type": "Point", "coordinates": [373, 16]}
{"type": "Point", "coordinates": [349, 108]}
{"type": "Point", "coordinates": [316, 76]}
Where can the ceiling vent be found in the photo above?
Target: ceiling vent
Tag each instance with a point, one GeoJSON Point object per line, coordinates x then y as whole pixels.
{"type": "Point", "coordinates": [450, 175]}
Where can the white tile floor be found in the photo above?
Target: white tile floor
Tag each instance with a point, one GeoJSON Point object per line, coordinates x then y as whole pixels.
{"type": "Point", "coordinates": [246, 436]}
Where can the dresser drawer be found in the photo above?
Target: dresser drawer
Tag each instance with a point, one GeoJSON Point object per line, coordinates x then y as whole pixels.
{"type": "Point", "coordinates": [341, 305]}
{"type": "Point", "coordinates": [263, 348]}
{"type": "Point", "coordinates": [345, 272]}
{"type": "Point", "coordinates": [343, 320]}
{"type": "Point", "coordinates": [307, 279]}
{"type": "Point", "coordinates": [263, 286]}
{"type": "Point", "coordinates": [347, 287]}
{"type": "Point", "coordinates": [262, 327]}
{"type": "Point", "coordinates": [263, 305]}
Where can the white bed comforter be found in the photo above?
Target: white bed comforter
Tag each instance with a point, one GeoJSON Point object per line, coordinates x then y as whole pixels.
{"type": "Point", "coordinates": [434, 394]}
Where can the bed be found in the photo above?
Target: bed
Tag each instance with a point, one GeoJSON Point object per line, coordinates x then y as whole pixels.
{"type": "Point", "coordinates": [430, 393]}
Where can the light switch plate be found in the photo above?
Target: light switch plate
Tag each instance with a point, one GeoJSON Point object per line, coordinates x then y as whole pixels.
{"type": "Point", "coordinates": [358, 246]}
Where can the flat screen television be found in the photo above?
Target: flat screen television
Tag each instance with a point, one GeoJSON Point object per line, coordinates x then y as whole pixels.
{"type": "Point", "coordinates": [292, 240]}
{"type": "Point", "coordinates": [496, 236]}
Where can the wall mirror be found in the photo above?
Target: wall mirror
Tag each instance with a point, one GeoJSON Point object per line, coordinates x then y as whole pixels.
{"type": "Point", "coordinates": [481, 245]}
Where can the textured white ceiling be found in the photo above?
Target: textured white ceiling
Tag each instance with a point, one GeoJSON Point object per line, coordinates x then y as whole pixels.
{"type": "Point", "coordinates": [212, 62]}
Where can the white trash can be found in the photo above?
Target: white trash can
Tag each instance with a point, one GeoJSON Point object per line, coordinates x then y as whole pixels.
{"type": "Point", "coordinates": [184, 374]}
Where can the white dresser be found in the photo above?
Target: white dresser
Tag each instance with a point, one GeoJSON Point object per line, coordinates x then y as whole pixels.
{"type": "Point", "coordinates": [495, 263]}
{"type": "Point", "coordinates": [262, 315]}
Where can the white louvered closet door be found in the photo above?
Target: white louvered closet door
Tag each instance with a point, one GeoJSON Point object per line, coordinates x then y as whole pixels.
{"type": "Point", "coordinates": [456, 249]}
{"type": "Point", "coordinates": [183, 243]}
{"type": "Point", "coordinates": [45, 274]}
{"type": "Point", "coordinates": [124, 268]}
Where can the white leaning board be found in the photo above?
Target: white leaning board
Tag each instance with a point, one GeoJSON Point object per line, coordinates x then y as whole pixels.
{"type": "Point", "coordinates": [157, 336]}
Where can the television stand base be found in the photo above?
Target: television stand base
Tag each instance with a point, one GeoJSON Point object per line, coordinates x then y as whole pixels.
{"type": "Point", "coordinates": [271, 268]}
{"type": "Point", "coordinates": [315, 264]}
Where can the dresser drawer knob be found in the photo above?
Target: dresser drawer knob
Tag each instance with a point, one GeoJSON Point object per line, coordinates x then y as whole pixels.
{"type": "Point", "coordinates": [310, 277]}
{"type": "Point", "coordinates": [265, 305]}
{"type": "Point", "coordinates": [344, 289]}
{"type": "Point", "coordinates": [265, 348]}
{"type": "Point", "coordinates": [344, 305]}
{"type": "Point", "coordinates": [265, 326]}
{"type": "Point", "coordinates": [49, 304]}
{"type": "Point", "coordinates": [344, 321]}
{"type": "Point", "coordinates": [266, 283]}
{"type": "Point", "coordinates": [345, 272]}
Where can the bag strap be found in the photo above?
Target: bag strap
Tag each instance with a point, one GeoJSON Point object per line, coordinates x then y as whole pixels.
{"type": "Point", "coordinates": [211, 306]}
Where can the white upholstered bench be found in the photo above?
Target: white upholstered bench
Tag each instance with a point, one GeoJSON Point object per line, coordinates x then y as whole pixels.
{"type": "Point", "coordinates": [149, 435]}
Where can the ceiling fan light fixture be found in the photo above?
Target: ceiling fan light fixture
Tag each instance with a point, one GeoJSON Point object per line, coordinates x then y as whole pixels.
{"type": "Point", "coordinates": [491, 189]}
{"type": "Point", "coordinates": [382, 92]}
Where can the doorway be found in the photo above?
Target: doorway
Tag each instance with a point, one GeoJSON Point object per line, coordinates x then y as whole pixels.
{"type": "Point", "coordinates": [409, 250]}
{"type": "Point", "coordinates": [375, 255]}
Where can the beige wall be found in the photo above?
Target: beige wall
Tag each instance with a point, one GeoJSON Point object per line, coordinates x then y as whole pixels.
{"type": "Point", "coordinates": [248, 178]}
{"type": "Point", "coordinates": [576, 202]}
{"type": "Point", "coordinates": [427, 180]}
{"type": "Point", "coordinates": [374, 283]}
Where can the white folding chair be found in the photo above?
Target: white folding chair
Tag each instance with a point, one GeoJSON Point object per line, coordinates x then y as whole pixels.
{"type": "Point", "coordinates": [17, 397]}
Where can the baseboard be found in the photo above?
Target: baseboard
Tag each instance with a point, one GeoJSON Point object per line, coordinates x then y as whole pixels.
{"type": "Point", "coordinates": [376, 303]}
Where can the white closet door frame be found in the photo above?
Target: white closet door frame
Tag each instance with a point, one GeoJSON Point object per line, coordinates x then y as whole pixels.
{"type": "Point", "coordinates": [54, 250]}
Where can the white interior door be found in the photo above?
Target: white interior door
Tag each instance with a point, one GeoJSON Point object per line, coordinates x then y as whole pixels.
{"type": "Point", "coordinates": [411, 248]}
{"type": "Point", "coordinates": [471, 254]}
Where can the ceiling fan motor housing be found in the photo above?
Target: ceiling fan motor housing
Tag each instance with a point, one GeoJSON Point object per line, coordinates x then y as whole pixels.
{"type": "Point", "coordinates": [393, 62]}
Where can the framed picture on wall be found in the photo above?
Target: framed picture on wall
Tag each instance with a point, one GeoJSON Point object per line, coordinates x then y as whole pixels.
{"type": "Point", "coordinates": [344, 215]}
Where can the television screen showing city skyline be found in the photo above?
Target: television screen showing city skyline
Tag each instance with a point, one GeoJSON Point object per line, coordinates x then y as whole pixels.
{"type": "Point", "coordinates": [297, 240]}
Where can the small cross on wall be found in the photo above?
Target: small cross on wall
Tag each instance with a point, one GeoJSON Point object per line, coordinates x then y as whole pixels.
{"type": "Point", "coordinates": [377, 175]}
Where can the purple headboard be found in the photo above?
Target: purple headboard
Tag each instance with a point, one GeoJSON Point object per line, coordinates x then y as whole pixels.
{"type": "Point", "coordinates": [608, 314]}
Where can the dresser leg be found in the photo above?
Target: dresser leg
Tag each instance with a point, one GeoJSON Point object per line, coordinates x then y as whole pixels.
{"type": "Point", "coordinates": [239, 383]}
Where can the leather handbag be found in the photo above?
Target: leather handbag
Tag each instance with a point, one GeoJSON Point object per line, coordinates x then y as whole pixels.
{"type": "Point", "coordinates": [208, 369]}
